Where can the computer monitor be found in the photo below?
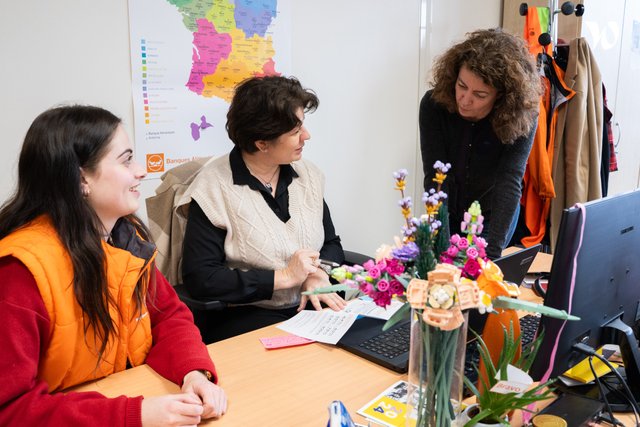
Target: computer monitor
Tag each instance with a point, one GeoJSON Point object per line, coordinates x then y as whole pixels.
{"type": "Point", "coordinates": [598, 252]}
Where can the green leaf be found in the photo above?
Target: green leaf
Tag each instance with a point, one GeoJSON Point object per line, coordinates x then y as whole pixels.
{"type": "Point", "coordinates": [402, 314]}
{"type": "Point", "coordinates": [518, 304]}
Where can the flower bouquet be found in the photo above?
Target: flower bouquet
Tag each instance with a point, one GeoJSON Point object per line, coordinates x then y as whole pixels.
{"type": "Point", "coordinates": [439, 277]}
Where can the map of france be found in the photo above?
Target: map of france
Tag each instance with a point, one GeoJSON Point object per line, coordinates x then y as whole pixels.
{"type": "Point", "coordinates": [230, 43]}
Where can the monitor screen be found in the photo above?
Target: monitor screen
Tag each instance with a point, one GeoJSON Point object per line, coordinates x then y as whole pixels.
{"type": "Point", "coordinates": [595, 275]}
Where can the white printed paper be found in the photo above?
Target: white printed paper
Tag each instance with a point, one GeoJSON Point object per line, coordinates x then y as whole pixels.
{"type": "Point", "coordinates": [324, 326]}
{"type": "Point", "coordinates": [366, 307]}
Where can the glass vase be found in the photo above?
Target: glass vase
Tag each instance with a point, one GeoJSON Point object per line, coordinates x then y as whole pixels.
{"type": "Point", "coordinates": [436, 372]}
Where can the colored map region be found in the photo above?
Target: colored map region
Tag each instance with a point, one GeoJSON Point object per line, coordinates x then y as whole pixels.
{"type": "Point", "coordinates": [231, 42]}
{"type": "Point", "coordinates": [197, 127]}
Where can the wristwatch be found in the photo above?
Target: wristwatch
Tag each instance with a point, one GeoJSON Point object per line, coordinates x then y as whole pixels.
{"type": "Point", "coordinates": [207, 374]}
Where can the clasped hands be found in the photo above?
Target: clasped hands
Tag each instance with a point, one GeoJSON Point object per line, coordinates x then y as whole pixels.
{"type": "Point", "coordinates": [303, 270]}
{"type": "Point", "coordinates": [200, 399]}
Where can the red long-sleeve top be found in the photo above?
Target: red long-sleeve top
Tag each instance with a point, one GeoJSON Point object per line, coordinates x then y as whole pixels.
{"type": "Point", "coordinates": [24, 328]}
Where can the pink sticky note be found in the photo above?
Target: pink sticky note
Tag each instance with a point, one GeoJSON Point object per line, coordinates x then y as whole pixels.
{"type": "Point", "coordinates": [272, 343]}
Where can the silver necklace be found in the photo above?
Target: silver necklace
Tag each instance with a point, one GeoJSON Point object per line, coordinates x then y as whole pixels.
{"type": "Point", "coordinates": [267, 184]}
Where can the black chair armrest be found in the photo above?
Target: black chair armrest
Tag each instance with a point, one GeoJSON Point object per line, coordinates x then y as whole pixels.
{"type": "Point", "coordinates": [351, 258]}
{"type": "Point", "coordinates": [197, 303]}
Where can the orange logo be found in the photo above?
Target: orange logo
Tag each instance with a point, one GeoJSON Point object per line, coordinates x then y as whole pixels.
{"type": "Point", "coordinates": [155, 162]}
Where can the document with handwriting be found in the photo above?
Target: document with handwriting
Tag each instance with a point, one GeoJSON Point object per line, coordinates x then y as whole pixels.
{"type": "Point", "coordinates": [325, 326]}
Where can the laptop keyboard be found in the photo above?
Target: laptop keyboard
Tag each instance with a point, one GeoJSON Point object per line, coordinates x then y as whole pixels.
{"type": "Point", "coordinates": [528, 328]}
{"type": "Point", "coordinates": [391, 343]}
{"type": "Point", "coordinates": [395, 342]}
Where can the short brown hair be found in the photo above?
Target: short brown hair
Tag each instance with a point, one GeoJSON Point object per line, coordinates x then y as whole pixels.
{"type": "Point", "coordinates": [263, 108]}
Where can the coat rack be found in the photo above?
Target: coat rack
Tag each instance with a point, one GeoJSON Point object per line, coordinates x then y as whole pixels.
{"type": "Point", "coordinates": [567, 8]}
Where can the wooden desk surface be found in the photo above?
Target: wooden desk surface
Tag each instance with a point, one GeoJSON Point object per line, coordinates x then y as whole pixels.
{"type": "Point", "coordinates": [285, 387]}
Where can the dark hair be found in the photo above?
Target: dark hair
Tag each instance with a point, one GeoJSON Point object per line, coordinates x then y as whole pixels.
{"type": "Point", "coordinates": [59, 142]}
{"type": "Point", "coordinates": [504, 62]}
{"type": "Point", "coordinates": [263, 108]}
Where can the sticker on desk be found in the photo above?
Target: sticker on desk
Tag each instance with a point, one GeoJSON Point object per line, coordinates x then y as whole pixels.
{"type": "Point", "coordinates": [271, 343]}
{"type": "Point", "coordinates": [389, 408]}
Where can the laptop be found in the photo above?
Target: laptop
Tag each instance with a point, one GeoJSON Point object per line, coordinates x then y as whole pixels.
{"type": "Point", "coordinates": [390, 348]}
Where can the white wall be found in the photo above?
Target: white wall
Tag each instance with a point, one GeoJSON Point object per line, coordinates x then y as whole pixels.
{"type": "Point", "coordinates": [613, 30]}
{"type": "Point", "coordinates": [366, 59]}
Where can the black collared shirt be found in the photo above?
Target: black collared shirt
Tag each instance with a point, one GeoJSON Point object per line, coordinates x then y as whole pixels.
{"type": "Point", "coordinates": [204, 267]}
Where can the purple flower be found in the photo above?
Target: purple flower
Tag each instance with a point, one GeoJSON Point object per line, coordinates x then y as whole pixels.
{"type": "Point", "coordinates": [408, 252]}
{"type": "Point", "coordinates": [400, 174]}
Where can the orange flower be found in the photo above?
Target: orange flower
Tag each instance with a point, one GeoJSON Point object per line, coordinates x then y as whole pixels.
{"type": "Point", "coordinates": [492, 281]}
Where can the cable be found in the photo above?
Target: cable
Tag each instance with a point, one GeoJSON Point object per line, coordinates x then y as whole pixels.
{"type": "Point", "coordinates": [603, 395]}
{"type": "Point", "coordinates": [583, 348]}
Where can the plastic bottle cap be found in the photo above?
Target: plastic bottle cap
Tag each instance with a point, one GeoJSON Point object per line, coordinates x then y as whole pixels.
{"type": "Point", "coordinates": [546, 420]}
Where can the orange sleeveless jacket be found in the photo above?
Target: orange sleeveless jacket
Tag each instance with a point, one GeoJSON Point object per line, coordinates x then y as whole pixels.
{"type": "Point", "coordinates": [70, 357]}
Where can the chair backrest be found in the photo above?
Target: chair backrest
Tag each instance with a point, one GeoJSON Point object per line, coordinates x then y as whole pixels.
{"type": "Point", "coordinates": [166, 222]}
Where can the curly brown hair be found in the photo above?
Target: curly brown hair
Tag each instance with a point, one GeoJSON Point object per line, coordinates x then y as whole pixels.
{"type": "Point", "coordinates": [504, 62]}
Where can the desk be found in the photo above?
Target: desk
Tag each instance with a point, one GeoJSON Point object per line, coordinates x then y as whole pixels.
{"type": "Point", "coordinates": [285, 387]}
{"type": "Point", "coordinates": [281, 388]}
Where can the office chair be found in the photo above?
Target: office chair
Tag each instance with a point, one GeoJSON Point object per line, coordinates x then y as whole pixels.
{"type": "Point", "coordinates": [167, 222]}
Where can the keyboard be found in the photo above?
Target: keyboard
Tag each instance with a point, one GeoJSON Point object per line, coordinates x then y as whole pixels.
{"type": "Point", "coordinates": [390, 344]}
{"type": "Point", "coordinates": [528, 328]}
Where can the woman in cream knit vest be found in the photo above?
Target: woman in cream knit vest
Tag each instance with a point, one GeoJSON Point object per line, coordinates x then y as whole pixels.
{"type": "Point", "coordinates": [257, 221]}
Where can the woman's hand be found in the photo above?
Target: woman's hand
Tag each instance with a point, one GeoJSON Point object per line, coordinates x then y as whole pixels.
{"type": "Point", "coordinates": [183, 409]}
{"type": "Point", "coordinates": [320, 279]}
{"type": "Point", "coordinates": [301, 264]}
{"type": "Point", "coordinates": [213, 397]}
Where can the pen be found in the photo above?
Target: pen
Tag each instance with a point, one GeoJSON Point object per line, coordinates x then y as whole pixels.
{"type": "Point", "coordinates": [327, 265]}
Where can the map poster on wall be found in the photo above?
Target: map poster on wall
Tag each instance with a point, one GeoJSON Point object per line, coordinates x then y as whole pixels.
{"type": "Point", "coordinates": [186, 58]}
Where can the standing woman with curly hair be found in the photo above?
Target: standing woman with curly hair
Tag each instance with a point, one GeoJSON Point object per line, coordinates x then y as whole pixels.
{"type": "Point", "coordinates": [481, 117]}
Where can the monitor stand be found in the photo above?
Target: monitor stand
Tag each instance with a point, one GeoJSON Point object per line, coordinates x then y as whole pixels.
{"type": "Point", "coordinates": [617, 397]}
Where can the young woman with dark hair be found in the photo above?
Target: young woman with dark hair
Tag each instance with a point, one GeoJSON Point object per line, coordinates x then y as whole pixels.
{"type": "Point", "coordinates": [80, 296]}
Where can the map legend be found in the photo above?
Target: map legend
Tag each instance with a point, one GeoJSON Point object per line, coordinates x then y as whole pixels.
{"type": "Point", "coordinates": [145, 93]}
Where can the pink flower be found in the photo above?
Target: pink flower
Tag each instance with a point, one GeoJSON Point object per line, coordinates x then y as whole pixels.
{"type": "Point", "coordinates": [452, 251]}
{"type": "Point", "coordinates": [445, 259]}
{"type": "Point", "coordinates": [479, 242]}
{"type": "Point", "coordinates": [366, 288]}
{"type": "Point", "coordinates": [455, 239]}
{"type": "Point", "coordinates": [463, 244]}
{"type": "Point", "coordinates": [369, 264]}
{"type": "Point", "coordinates": [482, 253]}
{"type": "Point", "coordinates": [472, 253]}
{"type": "Point", "coordinates": [382, 285]}
{"type": "Point", "coordinates": [471, 268]}
{"type": "Point", "coordinates": [394, 267]}
{"type": "Point", "coordinates": [382, 299]}
{"type": "Point", "coordinates": [396, 287]}
{"type": "Point", "coordinates": [374, 272]}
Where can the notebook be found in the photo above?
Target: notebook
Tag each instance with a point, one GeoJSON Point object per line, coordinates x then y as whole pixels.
{"type": "Point", "coordinates": [390, 348]}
